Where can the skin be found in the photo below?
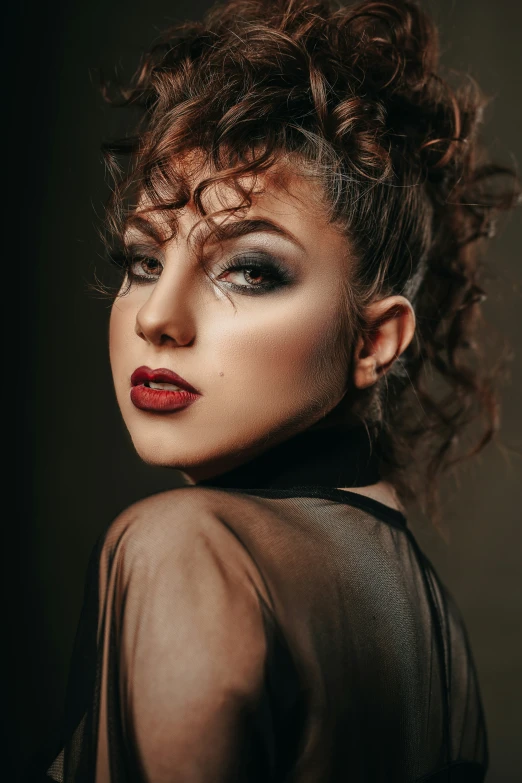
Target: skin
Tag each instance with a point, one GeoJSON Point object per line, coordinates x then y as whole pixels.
{"type": "Point", "coordinates": [267, 365]}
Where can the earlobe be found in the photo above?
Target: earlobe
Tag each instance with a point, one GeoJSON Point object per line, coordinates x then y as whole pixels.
{"type": "Point", "coordinates": [365, 364]}
{"type": "Point", "coordinates": [392, 326]}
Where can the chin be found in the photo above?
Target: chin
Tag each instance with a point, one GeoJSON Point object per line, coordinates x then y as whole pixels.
{"type": "Point", "coordinates": [173, 452]}
{"type": "Point", "coordinates": [159, 452]}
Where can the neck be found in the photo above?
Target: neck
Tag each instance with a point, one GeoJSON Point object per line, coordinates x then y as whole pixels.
{"type": "Point", "coordinates": [330, 457]}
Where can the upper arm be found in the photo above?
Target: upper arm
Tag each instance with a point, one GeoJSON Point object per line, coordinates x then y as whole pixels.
{"type": "Point", "coordinates": [182, 641]}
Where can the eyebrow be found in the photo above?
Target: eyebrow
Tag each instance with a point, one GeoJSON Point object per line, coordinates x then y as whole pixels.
{"type": "Point", "coordinates": [221, 232]}
{"type": "Point", "coordinates": [239, 228]}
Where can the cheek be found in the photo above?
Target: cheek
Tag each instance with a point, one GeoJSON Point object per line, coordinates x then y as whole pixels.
{"type": "Point", "coordinates": [121, 335]}
{"type": "Point", "coordinates": [286, 348]}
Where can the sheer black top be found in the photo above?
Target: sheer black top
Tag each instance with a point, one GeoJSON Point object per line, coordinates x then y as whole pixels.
{"type": "Point", "coordinates": [267, 626]}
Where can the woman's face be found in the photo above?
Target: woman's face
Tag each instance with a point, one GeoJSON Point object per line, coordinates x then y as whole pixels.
{"type": "Point", "coordinates": [266, 360]}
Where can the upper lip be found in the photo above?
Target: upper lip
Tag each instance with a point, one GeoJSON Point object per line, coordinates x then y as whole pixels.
{"type": "Point", "coordinates": [161, 375]}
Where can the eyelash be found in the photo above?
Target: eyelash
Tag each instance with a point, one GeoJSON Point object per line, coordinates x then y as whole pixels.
{"type": "Point", "coordinates": [266, 266]}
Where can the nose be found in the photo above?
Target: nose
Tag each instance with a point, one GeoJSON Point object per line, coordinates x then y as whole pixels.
{"type": "Point", "coordinates": [167, 315]}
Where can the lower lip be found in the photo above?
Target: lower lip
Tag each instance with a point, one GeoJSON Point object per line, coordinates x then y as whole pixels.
{"type": "Point", "coordinates": [148, 399]}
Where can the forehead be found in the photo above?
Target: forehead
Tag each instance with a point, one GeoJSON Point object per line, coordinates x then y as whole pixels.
{"type": "Point", "coordinates": [282, 195]}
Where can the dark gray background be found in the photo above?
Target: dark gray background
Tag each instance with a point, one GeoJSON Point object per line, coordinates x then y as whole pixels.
{"type": "Point", "coordinates": [75, 468]}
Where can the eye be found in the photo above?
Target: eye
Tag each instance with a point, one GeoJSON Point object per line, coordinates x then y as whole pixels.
{"type": "Point", "coordinates": [143, 268]}
{"type": "Point", "coordinates": [254, 274]}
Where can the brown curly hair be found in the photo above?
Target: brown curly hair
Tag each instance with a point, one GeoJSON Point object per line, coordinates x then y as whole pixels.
{"type": "Point", "coordinates": [355, 97]}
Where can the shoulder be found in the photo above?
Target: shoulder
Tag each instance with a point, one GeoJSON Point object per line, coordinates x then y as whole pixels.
{"type": "Point", "coordinates": [178, 520]}
{"type": "Point", "coordinates": [182, 630]}
{"type": "Point", "coordinates": [186, 532]}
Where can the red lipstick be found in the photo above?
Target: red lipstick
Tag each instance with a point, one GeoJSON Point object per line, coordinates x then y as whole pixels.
{"type": "Point", "coordinates": [145, 396]}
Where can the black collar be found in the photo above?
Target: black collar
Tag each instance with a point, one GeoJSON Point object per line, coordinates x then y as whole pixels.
{"type": "Point", "coordinates": [331, 457]}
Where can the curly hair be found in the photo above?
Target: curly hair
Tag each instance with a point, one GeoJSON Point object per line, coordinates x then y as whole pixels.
{"type": "Point", "coordinates": [355, 97]}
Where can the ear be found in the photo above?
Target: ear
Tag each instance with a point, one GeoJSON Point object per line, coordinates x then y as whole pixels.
{"type": "Point", "coordinates": [391, 328]}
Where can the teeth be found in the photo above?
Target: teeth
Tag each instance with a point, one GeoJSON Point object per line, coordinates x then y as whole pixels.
{"type": "Point", "coordinates": [163, 386]}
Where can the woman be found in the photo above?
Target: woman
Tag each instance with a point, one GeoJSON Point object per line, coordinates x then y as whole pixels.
{"type": "Point", "coordinates": [298, 230]}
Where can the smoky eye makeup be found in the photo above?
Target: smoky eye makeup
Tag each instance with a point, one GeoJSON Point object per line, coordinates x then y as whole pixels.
{"type": "Point", "coordinates": [140, 263]}
{"type": "Point", "coordinates": [246, 272]}
{"type": "Point", "coordinates": [252, 272]}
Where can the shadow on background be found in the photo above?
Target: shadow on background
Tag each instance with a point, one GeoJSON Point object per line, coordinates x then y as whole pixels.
{"type": "Point", "coordinates": [75, 467]}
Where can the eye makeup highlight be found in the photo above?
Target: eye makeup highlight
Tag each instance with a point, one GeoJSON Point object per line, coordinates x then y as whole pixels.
{"type": "Point", "coordinates": [252, 265]}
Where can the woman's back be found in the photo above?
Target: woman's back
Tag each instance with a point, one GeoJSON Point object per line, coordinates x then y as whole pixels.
{"type": "Point", "coordinates": [351, 657]}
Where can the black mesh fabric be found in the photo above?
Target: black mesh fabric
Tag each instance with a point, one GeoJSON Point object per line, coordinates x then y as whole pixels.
{"type": "Point", "coordinates": [291, 634]}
